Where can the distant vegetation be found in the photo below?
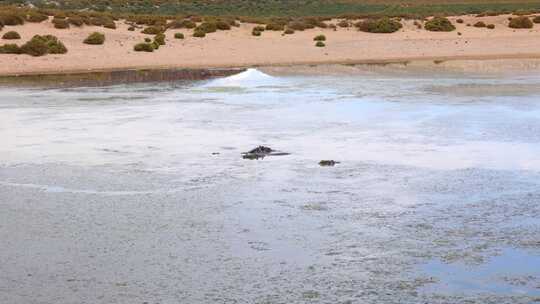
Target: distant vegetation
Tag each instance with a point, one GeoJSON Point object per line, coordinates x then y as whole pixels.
{"type": "Point", "coordinates": [287, 8]}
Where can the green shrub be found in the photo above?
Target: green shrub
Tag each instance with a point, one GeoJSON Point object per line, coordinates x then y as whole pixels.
{"type": "Point", "coordinates": [207, 27]}
{"type": "Point", "coordinates": [36, 17]}
{"type": "Point", "coordinates": [95, 38]}
{"type": "Point", "coordinates": [196, 19]}
{"type": "Point", "coordinates": [155, 45]}
{"type": "Point", "coordinates": [152, 30]}
{"type": "Point", "coordinates": [179, 36]}
{"type": "Point", "coordinates": [8, 18]}
{"type": "Point", "coordinates": [178, 24]}
{"type": "Point", "coordinates": [344, 23]}
{"type": "Point", "coordinates": [147, 40]}
{"type": "Point", "coordinates": [521, 22]}
{"type": "Point", "coordinates": [259, 28]}
{"type": "Point", "coordinates": [42, 45]}
{"type": "Point", "coordinates": [160, 39]}
{"type": "Point", "coordinates": [143, 47]}
{"type": "Point", "coordinates": [320, 44]}
{"type": "Point", "coordinates": [76, 21]}
{"type": "Point", "coordinates": [275, 27]}
{"type": "Point", "coordinates": [439, 24]}
{"type": "Point", "coordinates": [131, 28]}
{"type": "Point", "coordinates": [459, 20]}
{"type": "Point", "coordinates": [199, 33]}
{"type": "Point", "coordinates": [319, 38]}
{"type": "Point", "coordinates": [288, 31]}
{"type": "Point", "coordinates": [10, 49]}
{"type": "Point", "coordinates": [35, 47]}
{"type": "Point", "coordinates": [11, 35]}
{"type": "Point", "coordinates": [536, 19]}
{"type": "Point", "coordinates": [223, 26]}
{"type": "Point", "coordinates": [109, 24]}
{"type": "Point", "coordinates": [490, 26]}
{"type": "Point", "coordinates": [382, 25]}
{"type": "Point", "coordinates": [299, 25]}
{"type": "Point", "coordinates": [60, 23]}
{"type": "Point", "coordinates": [479, 24]}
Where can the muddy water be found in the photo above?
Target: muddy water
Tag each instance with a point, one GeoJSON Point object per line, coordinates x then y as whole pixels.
{"type": "Point", "coordinates": [139, 193]}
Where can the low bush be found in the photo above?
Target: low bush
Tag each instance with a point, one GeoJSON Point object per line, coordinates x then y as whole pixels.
{"type": "Point", "coordinates": [320, 44]}
{"type": "Point", "coordinates": [76, 21]}
{"type": "Point", "coordinates": [288, 31]}
{"type": "Point", "coordinates": [155, 45]}
{"type": "Point", "coordinates": [207, 27]}
{"type": "Point", "coordinates": [479, 24]}
{"type": "Point", "coordinates": [42, 45]}
{"type": "Point", "coordinates": [319, 38]}
{"type": "Point", "coordinates": [490, 26]}
{"type": "Point", "coordinates": [147, 40]}
{"type": "Point", "coordinates": [299, 25]}
{"type": "Point", "coordinates": [439, 24]}
{"type": "Point", "coordinates": [10, 49]}
{"type": "Point", "coordinates": [259, 28]}
{"type": "Point", "coordinates": [95, 39]}
{"type": "Point", "coordinates": [152, 30]}
{"type": "Point", "coordinates": [344, 23]}
{"type": "Point", "coordinates": [254, 32]}
{"type": "Point", "coordinates": [223, 26]}
{"type": "Point", "coordinates": [131, 28]}
{"type": "Point", "coordinates": [179, 36]}
{"type": "Point", "coordinates": [536, 19]}
{"type": "Point", "coordinates": [143, 47]}
{"type": "Point", "coordinates": [199, 33]}
{"type": "Point", "coordinates": [521, 22]}
{"type": "Point", "coordinates": [11, 35]}
{"type": "Point", "coordinates": [110, 25]}
{"type": "Point", "coordinates": [382, 25]}
{"type": "Point", "coordinates": [36, 17]}
{"type": "Point", "coordinates": [275, 27]}
{"type": "Point", "coordinates": [459, 20]}
{"type": "Point", "coordinates": [178, 24]}
{"type": "Point", "coordinates": [11, 18]}
{"type": "Point", "coordinates": [60, 23]}
{"type": "Point", "coordinates": [160, 39]}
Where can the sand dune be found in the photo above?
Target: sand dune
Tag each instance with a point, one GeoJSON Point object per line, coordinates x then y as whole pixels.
{"type": "Point", "coordinates": [239, 48]}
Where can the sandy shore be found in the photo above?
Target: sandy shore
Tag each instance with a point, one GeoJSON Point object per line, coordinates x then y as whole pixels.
{"type": "Point", "coordinates": [238, 48]}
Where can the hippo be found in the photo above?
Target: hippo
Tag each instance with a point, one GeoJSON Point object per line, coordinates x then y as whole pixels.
{"type": "Point", "coordinates": [261, 152]}
{"type": "Point", "coordinates": [328, 163]}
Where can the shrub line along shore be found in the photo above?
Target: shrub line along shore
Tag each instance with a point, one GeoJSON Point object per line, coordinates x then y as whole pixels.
{"type": "Point", "coordinates": [105, 45]}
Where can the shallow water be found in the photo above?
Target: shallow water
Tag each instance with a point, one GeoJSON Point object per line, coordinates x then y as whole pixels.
{"type": "Point", "coordinates": [139, 193]}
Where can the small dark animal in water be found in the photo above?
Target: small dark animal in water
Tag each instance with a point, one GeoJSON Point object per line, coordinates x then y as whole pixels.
{"type": "Point", "coordinates": [261, 152]}
{"type": "Point", "coordinates": [328, 163]}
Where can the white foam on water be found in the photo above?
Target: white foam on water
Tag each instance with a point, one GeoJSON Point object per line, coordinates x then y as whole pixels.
{"type": "Point", "coordinates": [249, 78]}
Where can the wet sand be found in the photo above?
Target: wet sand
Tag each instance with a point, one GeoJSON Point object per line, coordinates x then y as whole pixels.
{"type": "Point", "coordinates": [238, 48]}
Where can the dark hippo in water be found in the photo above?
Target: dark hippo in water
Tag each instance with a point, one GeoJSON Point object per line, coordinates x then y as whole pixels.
{"type": "Point", "coordinates": [261, 152]}
{"type": "Point", "coordinates": [328, 163]}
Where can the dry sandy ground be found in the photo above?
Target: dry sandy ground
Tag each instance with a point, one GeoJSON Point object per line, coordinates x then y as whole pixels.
{"type": "Point", "coordinates": [239, 48]}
